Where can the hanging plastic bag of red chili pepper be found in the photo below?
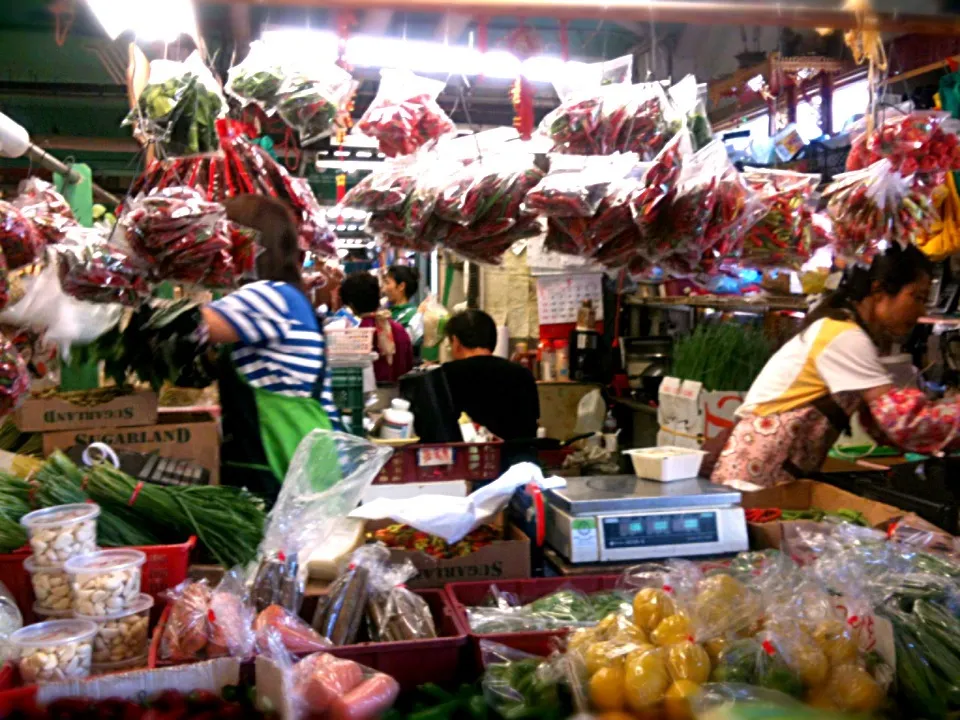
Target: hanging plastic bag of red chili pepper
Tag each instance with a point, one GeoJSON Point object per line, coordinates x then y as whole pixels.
{"type": "Point", "coordinates": [784, 235]}
{"type": "Point", "coordinates": [613, 216]}
{"type": "Point", "coordinates": [918, 142]}
{"type": "Point", "coordinates": [14, 378]}
{"type": "Point", "coordinates": [47, 209]}
{"type": "Point", "coordinates": [314, 101]}
{"type": "Point", "coordinates": [575, 184]}
{"type": "Point", "coordinates": [91, 269]}
{"type": "Point", "coordinates": [873, 205]}
{"type": "Point", "coordinates": [19, 239]}
{"type": "Point", "coordinates": [173, 234]}
{"type": "Point", "coordinates": [651, 201]}
{"type": "Point", "coordinates": [405, 115]}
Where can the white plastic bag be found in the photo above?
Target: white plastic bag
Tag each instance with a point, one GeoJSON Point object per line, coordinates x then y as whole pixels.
{"type": "Point", "coordinates": [453, 518]}
{"type": "Point", "coordinates": [591, 412]}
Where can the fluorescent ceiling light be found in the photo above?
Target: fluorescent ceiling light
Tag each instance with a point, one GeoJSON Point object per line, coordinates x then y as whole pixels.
{"type": "Point", "coordinates": [420, 56]}
{"type": "Point", "coordinates": [150, 20]}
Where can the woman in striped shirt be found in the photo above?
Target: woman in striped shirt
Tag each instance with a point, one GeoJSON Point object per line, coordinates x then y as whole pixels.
{"type": "Point", "coordinates": [274, 385]}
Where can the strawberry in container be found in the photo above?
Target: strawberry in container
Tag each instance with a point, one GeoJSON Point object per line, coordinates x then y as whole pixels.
{"type": "Point", "coordinates": [405, 115]}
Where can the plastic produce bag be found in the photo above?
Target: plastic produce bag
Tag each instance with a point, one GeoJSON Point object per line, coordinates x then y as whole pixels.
{"type": "Point", "coordinates": [916, 142]}
{"type": "Point", "coordinates": [325, 481]}
{"type": "Point", "coordinates": [259, 77]}
{"type": "Point", "coordinates": [452, 518]}
{"type": "Point", "coordinates": [14, 378]}
{"type": "Point", "coordinates": [20, 241]}
{"type": "Point", "coordinates": [173, 234]}
{"type": "Point", "coordinates": [576, 185]}
{"type": "Point", "coordinates": [313, 100]}
{"type": "Point", "coordinates": [322, 686]}
{"type": "Point", "coordinates": [405, 114]}
{"type": "Point", "coordinates": [10, 621]}
{"type": "Point", "coordinates": [186, 636]}
{"type": "Point", "coordinates": [92, 271]}
{"type": "Point", "coordinates": [873, 205]}
{"type": "Point", "coordinates": [650, 202]}
{"type": "Point", "coordinates": [394, 612]}
{"type": "Point", "coordinates": [288, 629]}
{"type": "Point", "coordinates": [783, 236]}
{"type": "Point", "coordinates": [339, 614]}
{"type": "Point", "coordinates": [516, 684]}
{"type": "Point", "coordinates": [46, 208]}
{"type": "Point", "coordinates": [178, 108]}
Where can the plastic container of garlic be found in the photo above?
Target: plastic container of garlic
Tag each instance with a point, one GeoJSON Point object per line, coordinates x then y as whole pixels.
{"type": "Point", "coordinates": [62, 532]}
{"type": "Point", "coordinates": [121, 636]}
{"type": "Point", "coordinates": [54, 650]}
{"type": "Point", "coordinates": [51, 586]}
{"type": "Point", "coordinates": [105, 582]}
{"type": "Point", "coordinates": [43, 614]}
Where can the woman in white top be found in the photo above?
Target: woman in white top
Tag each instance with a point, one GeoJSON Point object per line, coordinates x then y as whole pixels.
{"type": "Point", "coordinates": [804, 396]}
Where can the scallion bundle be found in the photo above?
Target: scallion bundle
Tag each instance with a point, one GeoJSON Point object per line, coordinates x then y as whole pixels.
{"type": "Point", "coordinates": [722, 356]}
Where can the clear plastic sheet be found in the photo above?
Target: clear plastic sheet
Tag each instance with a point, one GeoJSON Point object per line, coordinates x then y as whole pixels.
{"type": "Point", "coordinates": [325, 480]}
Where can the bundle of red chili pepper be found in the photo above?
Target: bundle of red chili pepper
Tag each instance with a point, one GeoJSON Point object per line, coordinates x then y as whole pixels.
{"type": "Point", "coordinates": [876, 204]}
{"type": "Point", "coordinates": [174, 234]}
{"type": "Point", "coordinates": [615, 118]}
{"type": "Point", "coordinates": [47, 209]}
{"type": "Point", "coordinates": [19, 239]}
{"type": "Point", "coordinates": [241, 168]}
{"type": "Point", "coordinates": [408, 538]}
{"type": "Point", "coordinates": [784, 235]}
{"type": "Point", "coordinates": [93, 271]}
{"type": "Point", "coordinates": [14, 378]}
{"type": "Point", "coordinates": [913, 143]}
{"type": "Point", "coordinates": [401, 128]}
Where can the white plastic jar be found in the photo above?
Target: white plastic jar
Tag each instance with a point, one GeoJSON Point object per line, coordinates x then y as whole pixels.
{"type": "Point", "coordinates": [62, 532]}
{"type": "Point", "coordinates": [105, 582]}
{"type": "Point", "coordinates": [55, 650]}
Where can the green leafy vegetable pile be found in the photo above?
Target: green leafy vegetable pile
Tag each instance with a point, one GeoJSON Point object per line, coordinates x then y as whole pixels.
{"type": "Point", "coordinates": [722, 356]}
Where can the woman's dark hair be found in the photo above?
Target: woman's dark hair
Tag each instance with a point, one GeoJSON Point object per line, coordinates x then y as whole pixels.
{"type": "Point", "coordinates": [890, 272]}
{"type": "Point", "coordinates": [474, 329]}
{"type": "Point", "coordinates": [407, 275]}
{"type": "Point", "coordinates": [279, 255]}
{"type": "Point", "coordinates": [361, 292]}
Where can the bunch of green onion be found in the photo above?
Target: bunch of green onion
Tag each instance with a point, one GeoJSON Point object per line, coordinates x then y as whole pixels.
{"type": "Point", "coordinates": [722, 356]}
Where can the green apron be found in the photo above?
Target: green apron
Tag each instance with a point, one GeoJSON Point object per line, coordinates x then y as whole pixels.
{"type": "Point", "coordinates": [261, 430]}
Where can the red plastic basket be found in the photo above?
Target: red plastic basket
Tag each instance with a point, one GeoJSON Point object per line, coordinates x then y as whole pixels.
{"type": "Point", "coordinates": [13, 696]}
{"type": "Point", "coordinates": [535, 642]}
{"type": "Point", "coordinates": [442, 461]}
{"type": "Point", "coordinates": [409, 662]}
{"type": "Point", "coordinates": [165, 567]}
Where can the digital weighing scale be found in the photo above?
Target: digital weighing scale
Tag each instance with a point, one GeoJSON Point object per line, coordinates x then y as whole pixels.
{"type": "Point", "coordinates": [622, 518]}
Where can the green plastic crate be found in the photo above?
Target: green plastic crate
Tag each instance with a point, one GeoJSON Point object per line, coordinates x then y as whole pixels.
{"type": "Point", "coordinates": [348, 396]}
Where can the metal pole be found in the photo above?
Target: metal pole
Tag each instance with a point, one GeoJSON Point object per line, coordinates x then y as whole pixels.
{"type": "Point", "coordinates": [42, 157]}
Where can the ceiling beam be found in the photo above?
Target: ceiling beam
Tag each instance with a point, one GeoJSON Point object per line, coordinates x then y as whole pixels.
{"type": "Point", "coordinates": [451, 27]}
{"type": "Point", "coordinates": [662, 11]}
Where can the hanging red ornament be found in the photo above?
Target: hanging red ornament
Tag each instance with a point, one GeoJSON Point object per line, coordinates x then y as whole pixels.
{"type": "Point", "coordinates": [341, 184]}
{"type": "Point", "coordinates": [524, 43]}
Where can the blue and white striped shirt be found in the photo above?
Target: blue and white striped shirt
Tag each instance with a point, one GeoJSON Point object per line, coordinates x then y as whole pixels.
{"type": "Point", "coordinates": [281, 347]}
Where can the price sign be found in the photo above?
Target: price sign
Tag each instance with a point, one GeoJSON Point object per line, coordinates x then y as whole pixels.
{"type": "Point", "coordinates": [435, 456]}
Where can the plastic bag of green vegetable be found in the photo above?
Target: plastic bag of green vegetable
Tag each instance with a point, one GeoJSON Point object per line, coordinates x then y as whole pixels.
{"type": "Point", "coordinates": [258, 78]}
{"type": "Point", "coordinates": [178, 108]}
{"type": "Point", "coordinates": [517, 685]}
{"type": "Point", "coordinates": [313, 101]}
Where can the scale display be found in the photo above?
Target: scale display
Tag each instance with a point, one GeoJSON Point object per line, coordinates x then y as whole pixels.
{"type": "Point", "coordinates": [649, 530]}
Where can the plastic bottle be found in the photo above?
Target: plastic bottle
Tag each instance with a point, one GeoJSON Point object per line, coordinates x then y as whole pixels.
{"type": "Point", "coordinates": [397, 421]}
{"type": "Point", "coordinates": [547, 362]}
{"type": "Point", "coordinates": [610, 432]}
{"type": "Point", "coordinates": [563, 361]}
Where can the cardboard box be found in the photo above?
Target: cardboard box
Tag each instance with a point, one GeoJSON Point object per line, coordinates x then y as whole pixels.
{"type": "Point", "coordinates": [181, 436]}
{"type": "Point", "coordinates": [688, 414]}
{"type": "Point", "coordinates": [56, 413]}
{"type": "Point", "coordinates": [507, 559]}
{"type": "Point", "coordinates": [803, 495]}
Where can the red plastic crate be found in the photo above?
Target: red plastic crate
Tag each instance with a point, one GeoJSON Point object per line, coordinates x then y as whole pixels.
{"type": "Point", "coordinates": [442, 461]}
{"type": "Point", "coordinates": [12, 695]}
{"type": "Point", "coordinates": [165, 567]}
{"type": "Point", "coordinates": [409, 662]}
{"type": "Point", "coordinates": [535, 642]}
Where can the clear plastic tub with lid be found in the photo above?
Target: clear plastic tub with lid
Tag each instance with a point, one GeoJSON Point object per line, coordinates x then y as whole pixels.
{"type": "Point", "coordinates": [55, 650]}
{"type": "Point", "coordinates": [51, 586]}
{"type": "Point", "coordinates": [105, 582]}
{"type": "Point", "coordinates": [62, 532]}
{"type": "Point", "coordinates": [122, 636]}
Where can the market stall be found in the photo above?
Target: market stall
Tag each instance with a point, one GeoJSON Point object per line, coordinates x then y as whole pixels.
{"type": "Point", "coordinates": [219, 497]}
